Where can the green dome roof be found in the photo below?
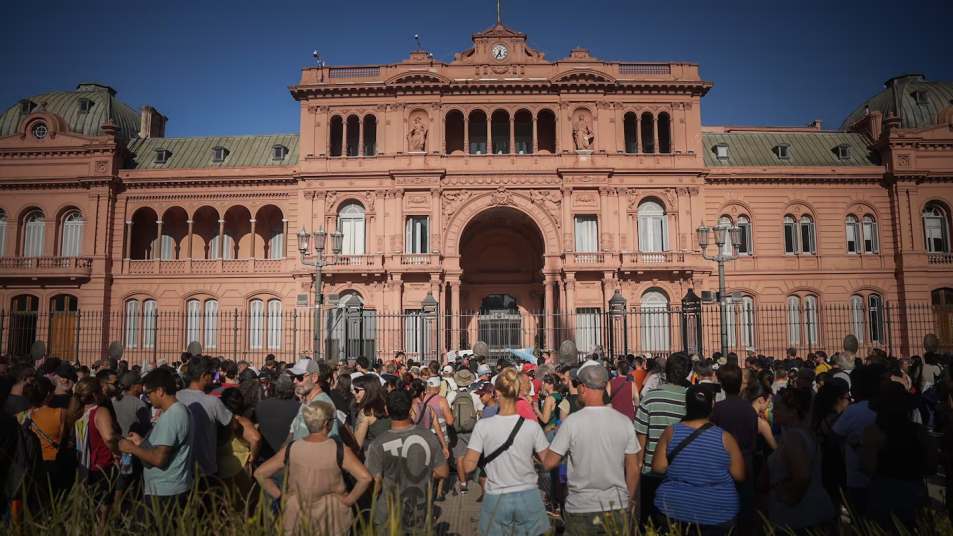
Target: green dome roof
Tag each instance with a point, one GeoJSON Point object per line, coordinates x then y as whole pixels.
{"type": "Point", "coordinates": [102, 104]}
{"type": "Point", "coordinates": [914, 99]}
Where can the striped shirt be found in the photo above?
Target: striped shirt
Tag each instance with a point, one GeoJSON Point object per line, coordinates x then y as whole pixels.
{"type": "Point", "coordinates": [659, 409]}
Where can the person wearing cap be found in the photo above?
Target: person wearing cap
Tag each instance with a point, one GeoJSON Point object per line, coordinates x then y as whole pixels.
{"type": "Point", "coordinates": [463, 378]}
{"type": "Point", "coordinates": [132, 414]}
{"type": "Point", "coordinates": [487, 394]}
{"type": "Point", "coordinates": [312, 381]}
{"type": "Point", "coordinates": [604, 465]}
{"type": "Point", "coordinates": [483, 372]}
{"type": "Point", "coordinates": [448, 383]}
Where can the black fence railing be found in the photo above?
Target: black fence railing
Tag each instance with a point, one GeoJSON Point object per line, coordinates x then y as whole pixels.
{"type": "Point", "coordinates": [347, 333]}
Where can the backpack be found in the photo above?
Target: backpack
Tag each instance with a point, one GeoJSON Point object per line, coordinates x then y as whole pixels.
{"type": "Point", "coordinates": [464, 412]}
{"type": "Point", "coordinates": [27, 458]}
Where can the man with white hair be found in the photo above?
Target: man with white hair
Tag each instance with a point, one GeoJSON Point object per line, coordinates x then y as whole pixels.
{"type": "Point", "coordinates": [846, 359]}
{"type": "Point", "coordinates": [311, 380]}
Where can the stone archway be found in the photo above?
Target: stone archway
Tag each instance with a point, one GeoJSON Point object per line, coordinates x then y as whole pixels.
{"type": "Point", "coordinates": [501, 197]}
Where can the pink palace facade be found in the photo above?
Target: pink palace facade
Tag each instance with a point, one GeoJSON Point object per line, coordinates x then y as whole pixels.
{"type": "Point", "coordinates": [498, 181]}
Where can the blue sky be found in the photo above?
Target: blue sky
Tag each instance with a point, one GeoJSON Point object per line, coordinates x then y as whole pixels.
{"type": "Point", "coordinates": [225, 67]}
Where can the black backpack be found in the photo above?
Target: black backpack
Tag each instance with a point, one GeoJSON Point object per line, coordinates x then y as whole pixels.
{"type": "Point", "coordinates": [27, 459]}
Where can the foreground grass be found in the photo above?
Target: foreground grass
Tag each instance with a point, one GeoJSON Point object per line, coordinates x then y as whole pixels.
{"type": "Point", "coordinates": [225, 514]}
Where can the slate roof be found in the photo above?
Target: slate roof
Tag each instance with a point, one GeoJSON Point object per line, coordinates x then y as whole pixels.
{"type": "Point", "coordinates": [194, 153]}
{"type": "Point", "coordinates": [900, 93]}
{"type": "Point", "coordinates": [805, 149]}
{"type": "Point", "coordinates": [66, 104]}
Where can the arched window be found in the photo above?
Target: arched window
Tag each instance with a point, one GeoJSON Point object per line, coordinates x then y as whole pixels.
{"type": "Point", "coordinates": [546, 131]}
{"type": "Point", "coordinates": [453, 133]}
{"type": "Point", "coordinates": [875, 314]}
{"type": "Point", "coordinates": [727, 248]}
{"type": "Point", "coordinates": [808, 245]}
{"type": "Point", "coordinates": [810, 319]}
{"type": "Point", "coordinates": [477, 132]}
{"type": "Point", "coordinates": [857, 327]}
{"type": "Point", "coordinates": [664, 133]}
{"type": "Point", "coordinates": [794, 321]}
{"type": "Point", "coordinates": [630, 129]}
{"type": "Point", "coordinates": [24, 310]}
{"type": "Point", "coordinates": [274, 324]}
{"type": "Point", "coordinates": [654, 322]}
{"type": "Point", "coordinates": [942, 299]}
{"type": "Point", "coordinates": [132, 324]}
{"type": "Point", "coordinates": [150, 315]}
{"type": "Point", "coordinates": [523, 132]}
{"type": "Point", "coordinates": [211, 324]}
{"type": "Point", "coordinates": [351, 224]}
{"type": "Point", "coordinates": [501, 132]}
{"type": "Point", "coordinates": [3, 233]}
{"type": "Point", "coordinates": [353, 135]}
{"type": "Point", "coordinates": [871, 235]}
{"type": "Point", "coordinates": [653, 227]}
{"type": "Point", "coordinates": [34, 233]}
{"type": "Point", "coordinates": [746, 247]}
{"type": "Point", "coordinates": [370, 135]}
{"type": "Point", "coordinates": [740, 321]}
{"type": "Point", "coordinates": [588, 328]}
{"type": "Point", "coordinates": [852, 231]}
{"type": "Point", "coordinates": [336, 135]}
{"type": "Point", "coordinates": [255, 317]}
{"type": "Point", "coordinates": [648, 133]}
{"type": "Point", "coordinates": [192, 321]}
{"type": "Point", "coordinates": [936, 228]}
{"type": "Point", "coordinates": [790, 235]}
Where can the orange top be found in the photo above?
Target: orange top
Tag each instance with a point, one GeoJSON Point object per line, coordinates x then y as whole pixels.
{"type": "Point", "coordinates": [48, 426]}
{"type": "Point", "coordinates": [639, 376]}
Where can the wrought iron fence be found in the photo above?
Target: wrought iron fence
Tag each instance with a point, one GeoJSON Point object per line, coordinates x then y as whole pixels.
{"type": "Point", "coordinates": [347, 333]}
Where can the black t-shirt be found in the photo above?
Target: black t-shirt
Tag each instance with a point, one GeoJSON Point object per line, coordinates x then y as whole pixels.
{"type": "Point", "coordinates": [60, 401]}
{"type": "Point", "coordinates": [737, 417]}
{"type": "Point", "coordinates": [15, 404]}
{"type": "Point", "coordinates": [274, 421]}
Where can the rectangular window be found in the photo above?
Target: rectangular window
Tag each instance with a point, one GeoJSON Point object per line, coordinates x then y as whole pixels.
{"type": "Point", "coordinates": [851, 231]}
{"type": "Point", "coordinates": [255, 314]}
{"type": "Point", "coordinates": [871, 242]}
{"type": "Point", "coordinates": [276, 244]}
{"type": "Point", "coordinates": [274, 325]}
{"type": "Point", "coordinates": [807, 237]}
{"type": "Point", "coordinates": [587, 234]}
{"type": "Point", "coordinates": [149, 318]}
{"type": "Point", "coordinates": [747, 322]}
{"type": "Point", "coordinates": [415, 332]}
{"type": "Point", "coordinates": [132, 324]}
{"type": "Point", "coordinates": [654, 328]}
{"type": "Point", "coordinates": [876, 314]}
{"type": "Point", "coordinates": [857, 317]}
{"type": "Point", "coordinates": [790, 237]}
{"type": "Point", "coordinates": [744, 247]}
{"type": "Point", "coordinates": [192, 321]}
{"type": "Point", "coordinates": [794, 321]}
{"type": "Point", "coordinates": [588, 328]}
{"type": "Point", "coordinates": [810, 319]}
{"type": "Point", "coordinates": [211, 324]}
{"type": "Point", "coordinates": [417, 234]}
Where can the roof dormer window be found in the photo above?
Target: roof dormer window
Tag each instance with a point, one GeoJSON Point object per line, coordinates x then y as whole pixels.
{"type": "Point", "coordinates": [27, 106]}
{"type": "Point", "coordinates": [85, 105]}
{"type": "Point", "coordinates": [782, 151]}
{"type": "Point", "coordinates": [920, 96]}
{"type": "Point", "coordinates": [843, 151]}
{"type": "Point", "coordinates": [218, 154]}
{"type": "Point", "coordinates": [279, 152]}
{"type": "Point", "coordinates": [162, 156]}
{"type": "Point", "coordinates": [721, 151]}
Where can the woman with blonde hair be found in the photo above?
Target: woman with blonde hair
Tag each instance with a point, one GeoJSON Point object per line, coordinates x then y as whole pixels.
{"type": "Point", "coordinates": [503, 446]}
{"type": "Point", "coordinates": [316, 497]}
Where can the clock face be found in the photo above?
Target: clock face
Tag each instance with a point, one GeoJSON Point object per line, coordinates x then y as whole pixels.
{"type": "Point", "coordinates": [499, 52]}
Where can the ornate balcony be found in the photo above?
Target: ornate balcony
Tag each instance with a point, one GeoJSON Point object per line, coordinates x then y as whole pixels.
{"type": "Point", "coordinates": [587, 259]}
{"type": "Point", "coordinates": [939, 258]}
{"type": "Point", "coordinates": [652, 259]}
{"type": "Point", "coordinates": [355, 263]}
{"type": "Point", "coordinates": [416, 261]}
{"type": "Point", "coordinates": [203, 266]}
{"type": "Point", "coordinates": [45, 267]}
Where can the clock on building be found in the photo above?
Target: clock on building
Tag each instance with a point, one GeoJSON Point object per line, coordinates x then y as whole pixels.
{"type": "Point", "coordinates": [499, 52]}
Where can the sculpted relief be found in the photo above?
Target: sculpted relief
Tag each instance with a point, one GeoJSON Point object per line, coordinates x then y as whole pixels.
{"type": "Point", "coordinates": [582, 133]}
{"type": "Point", "coordinates": [417, 136]}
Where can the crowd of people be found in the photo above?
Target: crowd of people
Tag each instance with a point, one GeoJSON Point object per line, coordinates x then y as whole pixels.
{"type": "Point", "coordinates": [719, 444]}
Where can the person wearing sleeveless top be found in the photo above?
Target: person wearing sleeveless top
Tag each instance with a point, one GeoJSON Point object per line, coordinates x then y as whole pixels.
{"type": "Point", "coordinates": [96, 435]}
{"type": "Point", "coordinates": [49, 426]}
{"type": "Point", "coordinates": [699, 485]}
{"type": "Point", "coordinates": [316, 499]}
{"type": "Point", "coordinates": [793, 476]}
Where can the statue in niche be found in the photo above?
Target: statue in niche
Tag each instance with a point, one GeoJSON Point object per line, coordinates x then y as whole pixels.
{"type": "Point", "coordinates": [417, 137]}
{"type": "Point", "coordinates": [582, 134]}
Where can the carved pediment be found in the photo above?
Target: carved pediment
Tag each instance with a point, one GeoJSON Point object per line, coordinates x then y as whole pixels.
{"type": "Point", "coordinates": [417, 78]}
{"type": "Point", "coordinates": [582, 76]}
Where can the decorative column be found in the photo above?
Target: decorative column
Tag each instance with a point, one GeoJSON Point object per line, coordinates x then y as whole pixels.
{"type": "Point", "coordinates": [129, 240]}
{"type": "Point", "coordinates": [344, 136]}
{"type": "Point", "coordinates": [571, 304]}
{"type": "Point", "coordinates": [466, 132]}
{"type": "Point", "coordinates": [221, 240]}
{"type": "Point", "coordinates": [549, 320]}
{"type": "Point", "coordinates": [455, 322]}
{"type": "Point", "coordinates": [360, 137]}
{"type": "Point", "coordinates": [535, 135]}
{"type": "Point", "coordinates": [655, 146]}
{"type": "Point", "coordinates": [489, 134]}
{"type": "Point", "coordinates": [251, 263]}
{"type": "Point", "coordinates": [157, 246]}
{"type": "Point", "coordinates": [513, 134]}
{"type": "Point", "coordinates": [284, 237]}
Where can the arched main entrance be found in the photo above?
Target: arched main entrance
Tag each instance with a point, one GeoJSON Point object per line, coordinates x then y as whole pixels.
{"type": "Point", "coordinates": [501, 257]}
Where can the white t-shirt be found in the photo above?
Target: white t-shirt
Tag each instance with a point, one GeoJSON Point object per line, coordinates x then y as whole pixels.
{"type": "Point", "coordinates": [512, 470]}
{"type": "Point", "coordinates": [597, 440]}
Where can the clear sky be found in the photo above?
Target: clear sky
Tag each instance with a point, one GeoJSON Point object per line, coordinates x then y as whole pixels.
{"type": "Point", "coordinates": [224, 67]}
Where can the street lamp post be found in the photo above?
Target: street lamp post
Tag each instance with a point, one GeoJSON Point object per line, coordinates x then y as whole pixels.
{"type": "Point", "coordinates": [320, 238]}
{"type": "Point", "coordinates": [723, 234]}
